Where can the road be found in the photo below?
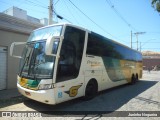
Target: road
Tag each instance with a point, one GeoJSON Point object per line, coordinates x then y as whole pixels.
{"type": "Point", "coordinates": [143, 96]}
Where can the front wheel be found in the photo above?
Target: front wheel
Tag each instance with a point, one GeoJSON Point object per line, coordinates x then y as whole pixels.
{"type": "Point", "coordinates": [91, 90]}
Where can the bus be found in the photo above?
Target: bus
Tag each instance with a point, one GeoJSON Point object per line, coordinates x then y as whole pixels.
{"type": "Point", "coordinates": [62, 61]}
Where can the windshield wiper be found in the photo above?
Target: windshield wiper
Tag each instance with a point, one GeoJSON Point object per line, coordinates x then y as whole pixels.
{"type": "Point", "coordinates": [26, 60]}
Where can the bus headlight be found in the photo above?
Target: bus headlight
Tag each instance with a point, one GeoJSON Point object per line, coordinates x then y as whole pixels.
{"type": "Point", "coordinates": [45, 86]}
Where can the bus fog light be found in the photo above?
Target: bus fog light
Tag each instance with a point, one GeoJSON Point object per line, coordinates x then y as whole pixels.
{"type": "Point", "coordinates": [45, 86]}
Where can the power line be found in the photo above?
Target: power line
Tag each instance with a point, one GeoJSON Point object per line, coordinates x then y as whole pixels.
{"type": "Point", "coordinates": [33, 10]}
{"type": "Point", "coordinates": [138, 33]}
{"type": "Point", "coordinates": [36, 4]}
{"type": "Point", "coordinates": [70, 11]}
{"type": "Point", "coordinates": [39, 2]}
{"type": "Point", "coordinates": [57, 15]}
{"type": "Point", "coordinates": [150, 48]}
{"type": "Point", "coordinates": [90, 19]}
{"type": "Point", "coordinates": [56, 2]}
{"type": "Point", "coordinates": [119, 15]}
{"type": "Point", "coordinates": [73, 12]}
{"type": "Point", "coordinates": [153, 32]}
{"type": "Point", "coordinates": [145, 42]}
{"type": "Point", "coordinates": [60, 17]}
{"type": "Point", "coordinates": [150, 42]}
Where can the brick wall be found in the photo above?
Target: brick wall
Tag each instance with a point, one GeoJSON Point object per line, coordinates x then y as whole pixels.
{"type": "Point", "coordinates": [150, 63]}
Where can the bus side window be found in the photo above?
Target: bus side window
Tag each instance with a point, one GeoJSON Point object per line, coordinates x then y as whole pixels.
{"type": "Point", "coordinates": [71, 54]}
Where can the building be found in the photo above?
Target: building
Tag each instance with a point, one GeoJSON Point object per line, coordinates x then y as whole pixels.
{"type": "Point", "coordinates": [22, 14]}
{"type": "Point", "coordinates": [151, 60]}
{"type": "Point", "coordinates": [151, 63]}
{"type": "Point", "coordinates": [13, 29]}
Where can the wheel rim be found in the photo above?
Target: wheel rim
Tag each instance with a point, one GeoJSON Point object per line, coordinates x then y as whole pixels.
{"type": "Point", "coordinates": [133, 79]}
{"type": "Point", "coordinates": [89, 91]}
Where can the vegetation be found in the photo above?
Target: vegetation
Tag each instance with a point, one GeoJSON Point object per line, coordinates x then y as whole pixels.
{"type": "Point", "coordinates": [156, 5]}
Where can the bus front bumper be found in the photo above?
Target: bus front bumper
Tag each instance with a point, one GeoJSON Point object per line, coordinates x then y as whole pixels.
{"type": "Point", "coordinates": [44, 96]}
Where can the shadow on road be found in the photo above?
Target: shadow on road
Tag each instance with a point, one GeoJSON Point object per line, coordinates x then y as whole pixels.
{"type": "Point", "coordinates": [108, 100]}
{"type": "Point", "coordinates": [12, 101]}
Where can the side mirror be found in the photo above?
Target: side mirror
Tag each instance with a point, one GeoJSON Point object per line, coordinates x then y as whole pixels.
{"type": "Point", "coordinates": [52, 44]}
{"type": "Point", "coordinates": [13, 46]}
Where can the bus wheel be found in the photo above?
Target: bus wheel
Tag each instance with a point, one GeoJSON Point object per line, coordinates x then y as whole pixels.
{"type": "Point", "coordinates": [91, 90]}
{"type": "Point", "coordinates": [133, 79]}
{"type": "Point", "coordinates": [136, 77]}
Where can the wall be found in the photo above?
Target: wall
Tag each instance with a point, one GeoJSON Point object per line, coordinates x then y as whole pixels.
{"type": "Point", "coordinates": [14, 30]}
{"type": "Point", "coordinates": [12, 67]}
{"type": "Point", "coordinates": [150, 63]}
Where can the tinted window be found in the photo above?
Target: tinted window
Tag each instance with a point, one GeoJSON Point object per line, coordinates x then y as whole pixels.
{"type": "Point", "coordinates": [101, 46]}
{"type": "Point", "coordinates": [71, 54]}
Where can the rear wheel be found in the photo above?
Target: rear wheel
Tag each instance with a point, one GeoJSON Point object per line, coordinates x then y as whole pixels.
{"type": "Point", "coordinates": [136, 77]}
{"type": "Point", "coordinates": [91, 90]}
{"type": "Point", "coordinates": [133, 79]}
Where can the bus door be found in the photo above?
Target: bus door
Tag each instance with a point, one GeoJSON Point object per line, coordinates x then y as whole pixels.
{"type": "Point", "coordinates": [69, 80]}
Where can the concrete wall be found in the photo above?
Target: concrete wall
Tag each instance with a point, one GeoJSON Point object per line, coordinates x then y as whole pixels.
{"type": "Point", "coordinates": [14, 30]}
{"type": "Point", "coordinates": [6, 39]}
{"type": "Point", "coordinates": [150, 63]}
{"type": "Point", "coordinates": [22, 14]}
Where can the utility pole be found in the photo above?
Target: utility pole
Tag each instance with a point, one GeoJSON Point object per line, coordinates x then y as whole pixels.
{"type": "Point", "coordinates": [50, 20]}
{"type": "Point", "coordinates": [131, 39]}
{"type": "Point", "coordinates": [138, 33]}
{"type": "Point", "coordinates": [140, 47]}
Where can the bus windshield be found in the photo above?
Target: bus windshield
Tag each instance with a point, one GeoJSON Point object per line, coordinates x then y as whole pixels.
{"type": "Point", "coordinates": [35, 64]}
{"type": "Point", "coordinates": [45, 33]}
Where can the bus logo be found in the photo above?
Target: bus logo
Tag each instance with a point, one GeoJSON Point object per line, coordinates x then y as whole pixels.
{"type": "Point", "coordinates": [73, 91]}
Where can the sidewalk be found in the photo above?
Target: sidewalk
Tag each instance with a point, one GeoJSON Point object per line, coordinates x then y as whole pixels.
{"type": "Point", "coordinates": [7, 94]}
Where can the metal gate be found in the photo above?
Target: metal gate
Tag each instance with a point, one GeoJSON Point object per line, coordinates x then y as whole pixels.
{"type": "Point", "coordinates": [3, 67]}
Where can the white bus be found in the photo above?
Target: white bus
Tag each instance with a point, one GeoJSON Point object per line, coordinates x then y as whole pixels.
{"type": "Point", "coordinates": [61, 62]}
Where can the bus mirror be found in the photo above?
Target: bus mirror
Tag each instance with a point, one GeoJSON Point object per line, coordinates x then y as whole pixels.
{"type": "Point", "coordinates": [52, 46]}
{"type": "Point", "coordinates": [13, 46]}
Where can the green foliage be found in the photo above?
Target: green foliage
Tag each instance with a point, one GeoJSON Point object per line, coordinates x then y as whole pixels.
{"type": "Point", "coordinates": [156, 5]}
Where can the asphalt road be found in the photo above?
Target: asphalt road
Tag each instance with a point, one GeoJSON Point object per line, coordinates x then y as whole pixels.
{"type": "Point", "coordinates": [116, 102]}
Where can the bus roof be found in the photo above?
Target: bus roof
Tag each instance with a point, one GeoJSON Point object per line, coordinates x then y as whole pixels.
{"type": "Point", "coordinates": [69, 24]}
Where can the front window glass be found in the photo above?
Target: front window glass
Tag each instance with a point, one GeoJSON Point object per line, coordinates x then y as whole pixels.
{"type": "Point", "coordinates": [71, 54]}
{"type": "Point", "coordinates": [45, 33]}
{"type": "Point", "coordinates": [34, 63]}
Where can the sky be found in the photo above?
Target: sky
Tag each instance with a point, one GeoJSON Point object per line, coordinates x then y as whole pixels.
{"type": "Point", "coordinates": [114, 19]}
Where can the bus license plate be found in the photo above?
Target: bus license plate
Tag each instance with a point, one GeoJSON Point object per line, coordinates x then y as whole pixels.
{"type": "Point", "coordinates": [28, 93]}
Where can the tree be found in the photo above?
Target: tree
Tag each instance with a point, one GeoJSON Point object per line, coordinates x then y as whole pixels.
{"type": "Point", "coordinates": [156, 5]}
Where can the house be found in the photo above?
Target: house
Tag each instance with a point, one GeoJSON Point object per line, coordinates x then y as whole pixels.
{"type": "Point", "coordinates": [151, 60]}
{"type": "Point", "coordinates": [12, 29]}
